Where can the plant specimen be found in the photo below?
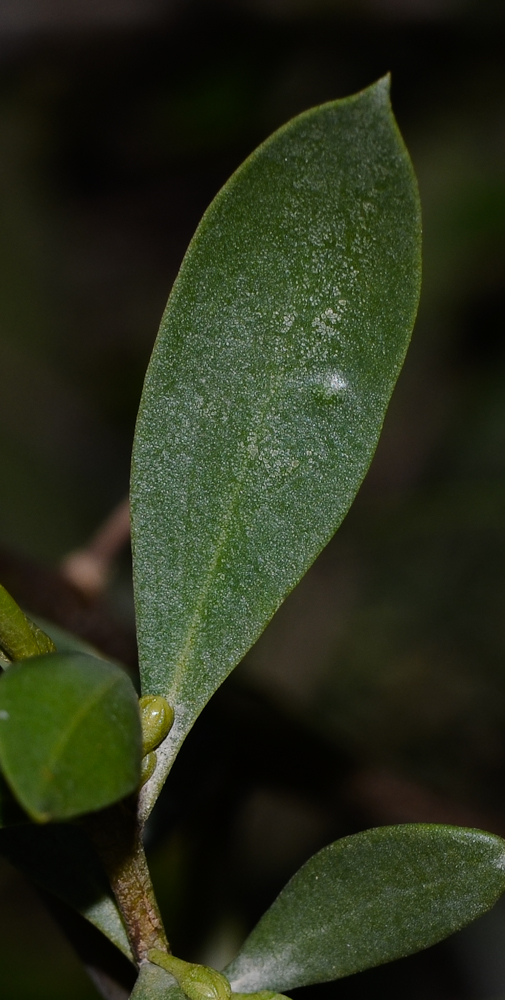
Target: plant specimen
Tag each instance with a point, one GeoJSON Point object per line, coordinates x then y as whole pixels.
{"type": "Point", "coordinates": [277, 355]}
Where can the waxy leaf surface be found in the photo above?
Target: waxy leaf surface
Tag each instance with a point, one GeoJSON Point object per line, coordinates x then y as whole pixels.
{"type": "Point", "coordinates": [369, 899]}
{"type": "Point", "coordinates": [70, 739]}
{"type": "Point", "coordinates": [277, 355]}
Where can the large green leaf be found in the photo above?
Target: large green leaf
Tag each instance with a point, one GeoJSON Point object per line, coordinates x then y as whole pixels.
{"type": "Point", "coordinates": [61, 859]}
{"type": "Point", "coordinates": [70, 739]}
{"type": "Point", "coordinates": [154, 983]}
{"type": "Point", "coordinates": [277, 355]}
{"type": "Point", "coordinates": [368, 899]}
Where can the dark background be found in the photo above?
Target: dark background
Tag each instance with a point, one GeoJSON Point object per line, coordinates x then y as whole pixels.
{"type": "Point", "coordinates": [377, 695]}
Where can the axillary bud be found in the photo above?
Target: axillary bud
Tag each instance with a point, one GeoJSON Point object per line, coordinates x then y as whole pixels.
{"type": "Point", "coordinates": [156, 718]}
{"type": "Point", "coordinates": [198, 982]}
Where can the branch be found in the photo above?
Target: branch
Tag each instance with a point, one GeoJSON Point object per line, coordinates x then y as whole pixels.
{"type": "Point", "coordinates": [89, 568]}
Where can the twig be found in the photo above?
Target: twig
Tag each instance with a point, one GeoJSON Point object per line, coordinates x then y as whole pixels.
{"type": "Point", "coordinates": [117, 838]}
{"type": "Point", "coordinates": [89, 568]}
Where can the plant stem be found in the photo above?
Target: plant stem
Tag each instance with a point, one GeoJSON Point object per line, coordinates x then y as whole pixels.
{"type": "Point", "coordinates": [117, 837]}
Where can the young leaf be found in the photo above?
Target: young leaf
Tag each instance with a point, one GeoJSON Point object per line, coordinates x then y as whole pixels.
{"type": "Point", "coordinates": [154, 983]}
{"type": "Point", "coordinates": [277, 355]}
{"type": "Point", "coordinates": [20, 637]}
{"type": "Point", "coordinates": [60, 859]}
{"type": "Point", "coordinates": [368, 899]}
{"type": "Point", "coordinates": [70, 739]}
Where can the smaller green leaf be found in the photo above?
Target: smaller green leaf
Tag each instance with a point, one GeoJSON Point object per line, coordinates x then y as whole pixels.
{"type": "Point", "coordinates": [20, 637]}
{"type": "Point", "coordinates": [70, 737]}
{"type": "Point", "coordinates": [60, 858]}
{"type": "Point", "coordinates": [369, 899]}
{"type": "Point", "coordinates": [154, 983]}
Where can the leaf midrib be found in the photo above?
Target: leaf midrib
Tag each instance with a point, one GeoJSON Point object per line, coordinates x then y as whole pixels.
{"type": "Point", "coordinates": [189, 645]}
{"type": "Point", "coordinates": [72, 726]}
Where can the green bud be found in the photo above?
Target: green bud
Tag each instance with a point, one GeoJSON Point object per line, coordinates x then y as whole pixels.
{"type": "Point", "coordinates": [197, 981]}
{"type": "Point", "coordinates": [156, 717]}
{"type": "Point", "coordinates": [202, 983]}
{"type": "Point", "coordinates": [147, 767]}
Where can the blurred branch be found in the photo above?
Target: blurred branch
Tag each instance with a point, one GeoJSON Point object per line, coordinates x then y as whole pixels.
{"type": "Point", "coordinates": [89, 568]}
{"type": "Point", "coordinates": [45, 592]}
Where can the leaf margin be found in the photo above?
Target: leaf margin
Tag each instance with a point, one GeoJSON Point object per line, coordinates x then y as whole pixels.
{"type": "Point", "coordinates": [249, 975]}
{"type": "Point", "coordinates": [167, 752]}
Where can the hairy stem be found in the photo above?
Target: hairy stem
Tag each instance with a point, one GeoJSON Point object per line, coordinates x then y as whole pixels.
{"type": "Point", "coordinates": [117, 838]}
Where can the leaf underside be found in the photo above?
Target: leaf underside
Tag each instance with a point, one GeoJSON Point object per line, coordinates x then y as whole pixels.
{"type": "Point", "coordinates": [369, 899]}
{"type": "Point", "coordinates": [265, 395]}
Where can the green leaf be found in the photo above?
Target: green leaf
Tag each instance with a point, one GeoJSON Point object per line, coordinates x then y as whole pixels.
{"type": "Point", "coordinates": [70, 739]}
{"type": "Point", "coordinates": [154, 983]}
{"type": "Point", "coordinates": [60, 858]}
{"type": "Point", "coordinates": [20, 637]}
{"type": "Point", "coordinates": [264, 399]}
{"type": "Point", "coordinates": [369, 899]}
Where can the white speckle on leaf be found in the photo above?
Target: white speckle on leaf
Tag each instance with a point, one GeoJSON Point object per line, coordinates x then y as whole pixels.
{"type": "Point", "coordinates": [501, 863]}
{"type": "Point", "coordinates": [337, 382]}
{"type": "Point", "coordinates": [252, 445]}
{"type": "Point", "coordinates": [3, 714]}
{"type": "Point", "coordinates": [287, 322]}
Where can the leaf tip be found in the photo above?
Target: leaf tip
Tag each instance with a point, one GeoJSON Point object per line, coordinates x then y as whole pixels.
{"type": "Point", "coordinates": [381, 90]}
